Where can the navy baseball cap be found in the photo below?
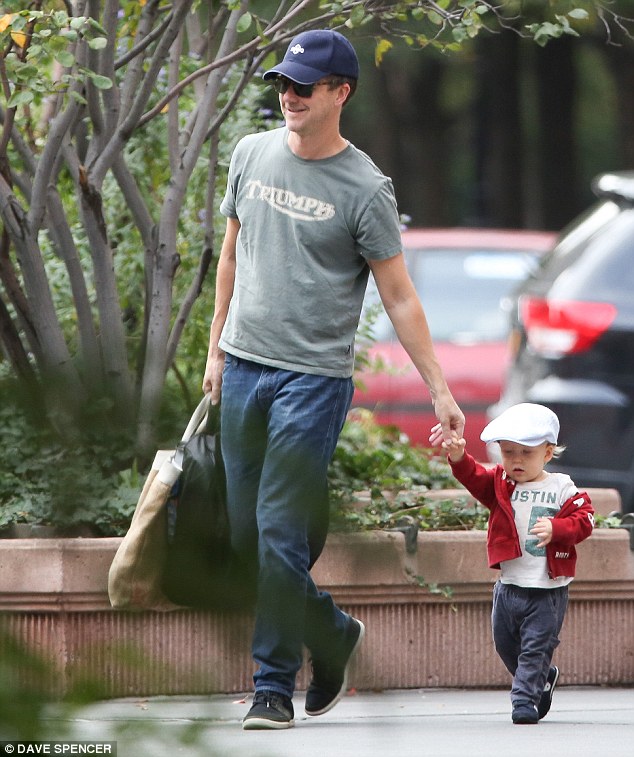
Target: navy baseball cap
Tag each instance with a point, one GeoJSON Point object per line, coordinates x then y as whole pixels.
{"type": "Point", "coordinates": [315, 54]}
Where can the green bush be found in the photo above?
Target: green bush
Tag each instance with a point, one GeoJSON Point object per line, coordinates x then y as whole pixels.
{"type": "Point", "coordinates": [47, 480]}
{"type": "Point", "coordinates": [377, 478]}
{"type": "Point", "coordinates": [94, 480]}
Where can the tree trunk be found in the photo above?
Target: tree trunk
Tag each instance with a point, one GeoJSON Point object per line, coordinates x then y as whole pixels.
{"type": "Point", "coordinates": [113, 346]}
{"type": "Point", "coordinates": [498, 134]}
{"type": "Point", "coordinates": [556, 82]}
{"type": "Point", "coordinates": [408, 136]}
{"type": "Point", "coordinates": [621, 60]}
{"type": "Point", "coordinates": [166, 258]}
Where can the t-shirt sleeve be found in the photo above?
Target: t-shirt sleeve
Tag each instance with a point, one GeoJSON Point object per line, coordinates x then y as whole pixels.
{"type": "Point", "coordinates": [567, 489]}
{"type": "Point", "coordinates": [228, 204]}
{"type": "Point", "coordinates": [379, 231]}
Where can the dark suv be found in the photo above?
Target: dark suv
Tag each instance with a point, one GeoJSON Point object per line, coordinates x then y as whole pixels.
{"type": "Point", "coordinates": [572, 339]}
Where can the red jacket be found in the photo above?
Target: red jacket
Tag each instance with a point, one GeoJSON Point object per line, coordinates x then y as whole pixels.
{"type": "Point", "coordinates": [493, 488]}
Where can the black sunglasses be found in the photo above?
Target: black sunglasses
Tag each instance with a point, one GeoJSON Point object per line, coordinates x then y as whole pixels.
{"type": "Point", "coordinates": [281, 84]}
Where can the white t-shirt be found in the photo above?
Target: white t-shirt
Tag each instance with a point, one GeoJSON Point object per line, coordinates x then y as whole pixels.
{"type": "Point", "coordinates": [530, 501]}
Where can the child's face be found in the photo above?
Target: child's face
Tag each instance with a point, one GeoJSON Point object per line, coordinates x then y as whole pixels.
{"type": "Point", "coordinates": [524, 464]}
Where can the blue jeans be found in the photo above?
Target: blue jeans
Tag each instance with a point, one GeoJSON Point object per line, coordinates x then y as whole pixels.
{"type": "Point", "coordinates": [279, 430]}
{"type": "Point", "coordinates": [526, 625]}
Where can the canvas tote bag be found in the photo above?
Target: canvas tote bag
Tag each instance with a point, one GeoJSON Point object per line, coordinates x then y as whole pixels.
{"type": "Point", "coordinates": [136, 574]}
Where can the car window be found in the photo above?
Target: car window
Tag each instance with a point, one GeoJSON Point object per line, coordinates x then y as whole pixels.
{"type": "Point", "coordinates": [574, 238]}
{"type": "Point", "coordinates": [461, 291]}
{"type": "Point", "coordinates": [605, 270]}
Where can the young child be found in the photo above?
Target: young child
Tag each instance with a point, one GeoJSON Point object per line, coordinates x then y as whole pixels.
{"type": "Point", "coordinates": [536, 518]}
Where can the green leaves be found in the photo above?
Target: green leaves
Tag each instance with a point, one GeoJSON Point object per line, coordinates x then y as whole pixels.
{"type": "Point", "coordinates": [579, 13]}
{"type": "Point", "coordinates": [101, 82]}
{"type": "Point", "coordinates": [98, 43]}
{"type": "Point", "coordinates": [543, 32]}
{"type": "Point", "coordinates": [20, 97]}
{"type": "Point", "coordinates": [447, 25]}
{"type": "Point", "coordinates": [376, 465]}
{"type": "Point", "coordinates": [65, 58]}
{"type": "Point", "coordinates": [46, 480]}
{"type": "Point", "coordinates": [244, 23]}
{"type": "Point", "coordinates": [32, 40]}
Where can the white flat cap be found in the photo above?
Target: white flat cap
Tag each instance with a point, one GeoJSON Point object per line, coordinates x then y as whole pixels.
{"type": "Point", "coordinates": [526, 423]}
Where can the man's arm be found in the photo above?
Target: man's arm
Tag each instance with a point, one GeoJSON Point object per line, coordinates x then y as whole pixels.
{"type": "Point", "coordinates": [404, 309]}
{"type": "Point", "coordinates": [225, 277]}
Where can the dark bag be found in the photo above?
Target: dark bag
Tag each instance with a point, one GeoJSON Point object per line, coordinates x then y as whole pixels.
{"type": "Point", "coordinates": [201, 569]}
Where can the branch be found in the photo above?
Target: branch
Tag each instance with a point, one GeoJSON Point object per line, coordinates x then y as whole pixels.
{"type": "Point", "coordinates": [110, 317]}
{"type": "Point", "coordinates": [134, 200]}
{"type": "Point", "coordinates": [62, 238]}
{"type": "Point", "coordinates": [101, 164]}
{"type": "Point", "coordinates": [147, 35]}
{"type": "Point", "coordinates": [55, 356]}
{"type": "Point", "coordinates": [95, 111]}
{"type": "Point", "coordinates": [246, 77]}
{"type": "Point", "coordinates": [10, 209]}
{"type": "Point", "coordinates": [59, 128]}
{"type": "Point", "coordinates": [16, 295]}
{"type": "Point", "coordinates": [146, 40]}
{"type": "Point", "coordinates": [206, 258]}
{"type": "Point", "coordinates": [104, 104]}
{"type": "Point", "coordinates": [172, 113]}
{"type": "Point", "coordinates": [13, 348]}
{"type": "Point", "coordinates": [8, 118]}
{"type": "Point", "coordinates": [200, 120]}
{"type": "Point", "coordinates": [190, 298]}
{"type": "Point", "coordinates": [25, 153]}
{"type": "Point", "coordinates": [248, 48]}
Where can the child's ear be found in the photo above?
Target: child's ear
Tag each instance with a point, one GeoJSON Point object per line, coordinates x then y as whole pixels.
{"type": "Point", "coordinates": [550, 451]}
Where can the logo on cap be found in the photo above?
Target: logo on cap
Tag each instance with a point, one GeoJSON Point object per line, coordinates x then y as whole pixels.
{"type": "Point", "coordinates": [297, 49]}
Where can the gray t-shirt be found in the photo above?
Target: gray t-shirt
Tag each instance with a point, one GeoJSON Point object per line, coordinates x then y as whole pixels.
{"type": "Point", "coordinates": [307, 227]}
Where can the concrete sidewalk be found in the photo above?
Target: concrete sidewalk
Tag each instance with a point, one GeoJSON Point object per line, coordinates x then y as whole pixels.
{"type": "Point", "coordinates": [584, 722]}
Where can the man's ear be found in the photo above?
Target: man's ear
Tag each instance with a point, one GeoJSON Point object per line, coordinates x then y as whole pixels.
{"type": "Point", "coordinates": [343, 94]}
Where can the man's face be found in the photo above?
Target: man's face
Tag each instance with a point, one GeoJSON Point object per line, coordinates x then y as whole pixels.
{"type": "Point", "coordinates": [309, 115]}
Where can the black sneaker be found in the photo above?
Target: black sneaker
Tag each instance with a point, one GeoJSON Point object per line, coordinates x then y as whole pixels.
{"type": "Point", "coordinates": [524, 713]}
{"type": "Point", "coordinates": [330, 677]}
{"type": "Point", "coordinates": [547, 696]}
{"type": "Point", "coordinates": [269, 710]}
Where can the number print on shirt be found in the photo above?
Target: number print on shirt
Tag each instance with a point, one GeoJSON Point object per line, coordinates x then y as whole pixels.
{"type": "Point", "coordinates": [537, 511]}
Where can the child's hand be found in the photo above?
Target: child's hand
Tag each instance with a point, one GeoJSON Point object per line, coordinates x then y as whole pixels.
{"type": "Point", "coordinates": [455, 448]}
{"type": "Point", "coordinates": [543, 529]}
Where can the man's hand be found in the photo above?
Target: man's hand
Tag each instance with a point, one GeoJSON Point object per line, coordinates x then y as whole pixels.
{"type": "Point", "coordinates": [212, 380]}
{"type": "Point", "coordinates": [451, 423]}
{"type": "Point", "coordinates": [543, 530]}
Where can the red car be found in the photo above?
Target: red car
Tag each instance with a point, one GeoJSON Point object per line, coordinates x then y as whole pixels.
{"type": "Point", "coordinates": [463, 277]}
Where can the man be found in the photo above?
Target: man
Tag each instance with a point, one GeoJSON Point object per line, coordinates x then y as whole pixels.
{"type": "Point", "coordinates": [308, 215]}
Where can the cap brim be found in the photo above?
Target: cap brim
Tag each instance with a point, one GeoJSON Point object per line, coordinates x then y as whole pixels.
{"type": "Point", "coordinates": [499, 433]}
{"type": "Point", "coordinates": [295, 72]}
{"type": "Point", "coordinates": [510, 438]}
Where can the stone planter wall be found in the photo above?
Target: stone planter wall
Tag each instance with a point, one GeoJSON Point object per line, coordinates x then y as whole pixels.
{"type": "Point", "coordinates": [53, 597]}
